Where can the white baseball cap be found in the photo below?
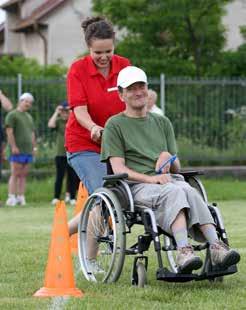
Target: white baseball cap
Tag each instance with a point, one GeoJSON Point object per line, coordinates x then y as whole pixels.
{"type": "Point", "coordinates": [26, 96]}
{"type": "Point", "coordinates": [130, 75]}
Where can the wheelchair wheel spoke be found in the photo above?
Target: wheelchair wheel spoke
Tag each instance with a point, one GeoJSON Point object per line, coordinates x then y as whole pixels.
{"type": "Point", "coordinates": [102, 238]}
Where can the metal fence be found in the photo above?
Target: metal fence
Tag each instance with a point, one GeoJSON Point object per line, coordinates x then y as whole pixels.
{"type": "Point", "coordinates": [209, 117]}
{"type": "Point", "coordinates": [208, 114]}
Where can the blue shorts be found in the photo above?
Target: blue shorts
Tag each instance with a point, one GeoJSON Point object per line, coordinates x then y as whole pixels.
{"type": "Point", "coordinates": [21, 158]}
{"type": "Point", "coordinates": [89, 168]}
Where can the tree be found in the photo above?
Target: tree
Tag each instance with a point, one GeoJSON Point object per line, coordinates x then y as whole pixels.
{"type": "Point", "coordinates": [178, 37]}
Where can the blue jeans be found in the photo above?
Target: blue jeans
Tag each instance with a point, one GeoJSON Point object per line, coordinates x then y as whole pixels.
{"type": "Point", "coordinates": [89, 168]}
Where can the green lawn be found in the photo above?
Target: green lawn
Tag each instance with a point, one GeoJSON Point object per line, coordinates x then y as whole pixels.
{"type": "Point", "coordinates": [217, 189]}
{"type": "Point", "coordinates": [24, 242]}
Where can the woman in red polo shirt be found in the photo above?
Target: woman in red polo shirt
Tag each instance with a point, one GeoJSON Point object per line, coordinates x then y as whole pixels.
{"type": "Point", "coordinates": [93, 98]}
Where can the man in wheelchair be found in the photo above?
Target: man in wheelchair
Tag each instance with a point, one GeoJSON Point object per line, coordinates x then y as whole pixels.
{"type": "Point", "coordinates": [138, 143]}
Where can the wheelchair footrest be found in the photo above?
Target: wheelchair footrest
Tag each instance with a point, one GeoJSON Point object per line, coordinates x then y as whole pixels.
{"type": "Point", "coordinates": [217, 272]}
{"type": "Point", "coordinates": [164, 274]}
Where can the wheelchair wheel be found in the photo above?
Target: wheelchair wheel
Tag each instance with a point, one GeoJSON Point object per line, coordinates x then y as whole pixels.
{"type": "Point", "coordinates": [197, 184]}
{"type": "Point", "coordinates": [102, 225]}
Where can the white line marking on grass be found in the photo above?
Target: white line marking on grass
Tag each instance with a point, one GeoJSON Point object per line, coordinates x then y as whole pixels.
{"type": "Point", "coordinates": [58, 303]}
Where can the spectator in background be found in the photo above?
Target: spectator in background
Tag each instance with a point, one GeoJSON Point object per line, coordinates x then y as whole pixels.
{"type": "Point", "coordinates": [22, 146]}
{"type": "Point", "coordinates": [58, 121]}
{"type": "Point", "coordinates": [6, 104]}
{"type": "Point", "coordinates": [151, 104]}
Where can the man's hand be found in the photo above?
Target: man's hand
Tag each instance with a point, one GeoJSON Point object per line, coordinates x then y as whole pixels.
{"type": "Point", "coordinates": [96, 133]}
{"type": "Point", "coordinates": [159, 179]}
{"type": "Point", "coordinates": [15, 150]}
{"type": "Point", "coordinates": [58, 109]}
{"type": "Point", "coordinates": [164, 156]}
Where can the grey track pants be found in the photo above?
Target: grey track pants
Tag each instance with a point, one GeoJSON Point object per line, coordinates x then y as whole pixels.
{"type": "Point", "coordinates": [169, 199]}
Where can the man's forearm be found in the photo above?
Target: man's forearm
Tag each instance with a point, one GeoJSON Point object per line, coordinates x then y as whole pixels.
{"type": "Point", "coordinates": [132, 175]}
{"type": "Point", "coordinates": [119, 166]}
{"type": "Point", "coordinates": [11, 139]}
{"type": "Point", "coordinates": [52, 120]}
{"type": "Point", "coordinates": [6, 103]}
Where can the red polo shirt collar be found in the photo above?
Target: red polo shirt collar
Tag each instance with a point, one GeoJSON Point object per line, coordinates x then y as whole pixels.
{"type": "Point", "coordinates": [93, 69]}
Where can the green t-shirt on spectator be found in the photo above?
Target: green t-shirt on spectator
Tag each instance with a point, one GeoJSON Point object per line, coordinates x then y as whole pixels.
{"type": "Point", "coordinates": [138, 140]}
{"type": "Point", "coordinates": [23, 127]}
{"type": "Point", "coordinates": [60, 128]}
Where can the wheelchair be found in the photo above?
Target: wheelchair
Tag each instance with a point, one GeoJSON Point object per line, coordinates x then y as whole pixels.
{"type": "Point", "coordinates": [109, 215]}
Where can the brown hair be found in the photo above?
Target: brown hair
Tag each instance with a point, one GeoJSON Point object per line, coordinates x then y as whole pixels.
{"type": "Point", "coordinates": [97, 28]}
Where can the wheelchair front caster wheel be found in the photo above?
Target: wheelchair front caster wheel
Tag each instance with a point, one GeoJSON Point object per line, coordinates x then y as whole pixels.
{"type": "Point", "coordinates": [139, 271]}
{"type": "Point", "coordinates": [218, 279]}
{"type": "Point", "coordinates": [142, 275]}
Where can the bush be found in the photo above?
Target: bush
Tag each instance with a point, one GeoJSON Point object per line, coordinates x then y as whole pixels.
{"type": "Point", "coordinates": [11, 66]}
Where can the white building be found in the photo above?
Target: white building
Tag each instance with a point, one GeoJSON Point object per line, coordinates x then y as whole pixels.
{"type": "Point", "coordinates": [235, 17]}
{"type": "Point", "coordinates": [49, 31]}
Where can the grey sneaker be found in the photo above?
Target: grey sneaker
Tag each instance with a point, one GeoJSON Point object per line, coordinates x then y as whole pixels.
{"type": "Point", "coordinates": [222, 256]}
{"type": "Point", "coordinates": [94, 267]}
{"type": "Point", "coordinates": [187, 260]}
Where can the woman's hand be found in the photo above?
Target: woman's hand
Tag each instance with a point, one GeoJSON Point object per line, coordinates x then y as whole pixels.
{"type": "Point", "coordinates": [96, 133]}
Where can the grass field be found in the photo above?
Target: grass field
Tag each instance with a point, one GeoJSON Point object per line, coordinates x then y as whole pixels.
{"type": "Point", "coordinates": [24, 242]}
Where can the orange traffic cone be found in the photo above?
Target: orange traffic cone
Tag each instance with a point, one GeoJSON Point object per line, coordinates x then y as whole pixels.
{"type": "Point", "coordinates": [59, 277]}
{"type": "Point", "coordinates": [81, 199]}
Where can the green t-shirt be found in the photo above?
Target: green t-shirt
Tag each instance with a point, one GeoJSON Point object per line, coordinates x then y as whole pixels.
{"type": "Point", "coordinates": [60, 128]}
{"type": "Point", "coordinates": [138, 140]}
{"type": "Point", "coordinates": [23, 127]}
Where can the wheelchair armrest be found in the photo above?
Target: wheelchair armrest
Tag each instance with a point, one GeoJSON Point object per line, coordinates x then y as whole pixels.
{"type": "Point", "coordinates": [119, 176]}
{"type": "Point", "coordinates": [191, 173]}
